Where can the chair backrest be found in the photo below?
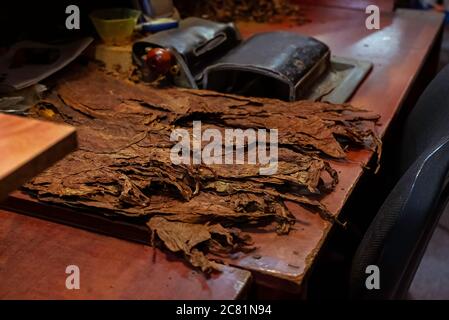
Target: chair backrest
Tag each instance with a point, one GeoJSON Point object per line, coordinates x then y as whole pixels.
{"type": "Point", "coordinates": [428, 122]}
{"type": "Point", "coordinates": [399, 233]}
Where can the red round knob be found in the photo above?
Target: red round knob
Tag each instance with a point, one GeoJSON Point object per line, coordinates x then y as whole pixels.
{"type": "Point", "coordinates": [159, 60]}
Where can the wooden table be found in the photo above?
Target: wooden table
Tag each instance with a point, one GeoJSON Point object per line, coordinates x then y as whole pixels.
{"type": "Point", "coordinates": [35, 253]}
{"type": "Point", "coordinates": [28, 146]}
{"type": "Point", "coordinates": [398, 52]}
{"type": "Point", "coordinates": [384, 5]}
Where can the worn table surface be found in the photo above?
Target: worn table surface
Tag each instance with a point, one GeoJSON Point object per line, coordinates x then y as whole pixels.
{"type": "Point", "coordinates": [34, 255]}
{"type": "Point", "coordinates": [28, 146]}
{"type": "Point", "coordinates": [397, 51]}
{"type": "Point", "coordinates": [384, 5]}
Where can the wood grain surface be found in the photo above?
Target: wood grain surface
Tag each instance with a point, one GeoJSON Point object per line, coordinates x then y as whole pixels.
{"type": "Point", "coordinates": [384, 5]}
{"type": "Point", "coordinates": [29, 146]}
{"type": "Point", "coordinates": [34, 255]}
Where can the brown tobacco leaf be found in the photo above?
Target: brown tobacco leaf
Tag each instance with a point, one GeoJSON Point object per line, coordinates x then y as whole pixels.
{"type": "Point", "coordinates": [123, 167]}
{"type": "Point", "coordinates": [186, 237]}
{"type": "Point", "coordinates": [246, 10]}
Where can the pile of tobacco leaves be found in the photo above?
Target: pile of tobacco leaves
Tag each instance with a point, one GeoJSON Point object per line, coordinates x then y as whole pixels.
{"type": "Point", "coordinates": [123, 166]}
{"type": "Point", "coordinates": [242, 10]}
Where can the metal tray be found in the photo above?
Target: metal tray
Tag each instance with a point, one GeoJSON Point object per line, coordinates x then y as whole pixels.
{"type": "Point", "coordinates": [340, 82]}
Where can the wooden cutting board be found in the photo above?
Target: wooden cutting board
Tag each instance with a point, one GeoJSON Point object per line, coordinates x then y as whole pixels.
{"type": "Point", "coordinates": [29, 146]}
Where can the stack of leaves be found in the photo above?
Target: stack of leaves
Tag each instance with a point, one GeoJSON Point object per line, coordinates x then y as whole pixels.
{"type": "Point", "coordinates": [241, 10]}
{"type": "Point", "coordinates": [123, 165]}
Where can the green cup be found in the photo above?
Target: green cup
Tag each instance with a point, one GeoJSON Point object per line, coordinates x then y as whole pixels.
{"type": "Point", "coordinates": [115, 26]}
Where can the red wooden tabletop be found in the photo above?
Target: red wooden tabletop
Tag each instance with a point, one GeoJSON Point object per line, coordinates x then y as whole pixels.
{"type": "Point", "coordinates": [398, 51]}
{"type": "Point", "coordinates": [384, 5]}
{"type": "Point", "coordinates": [35, 253]}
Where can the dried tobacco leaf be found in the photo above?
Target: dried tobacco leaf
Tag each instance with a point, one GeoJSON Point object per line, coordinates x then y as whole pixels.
{"type": "Point", "coordinates": [245, 10]}
{"type": "Point", "coordinates": [123, 166]}
{"type": "Point", "coordinates": [185, 238]}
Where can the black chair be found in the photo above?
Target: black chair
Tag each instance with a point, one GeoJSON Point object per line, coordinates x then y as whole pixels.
{"type": "Point", "coordinates": [428, 122]}
{"type": "Point", "coordinates": [397, 237]}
